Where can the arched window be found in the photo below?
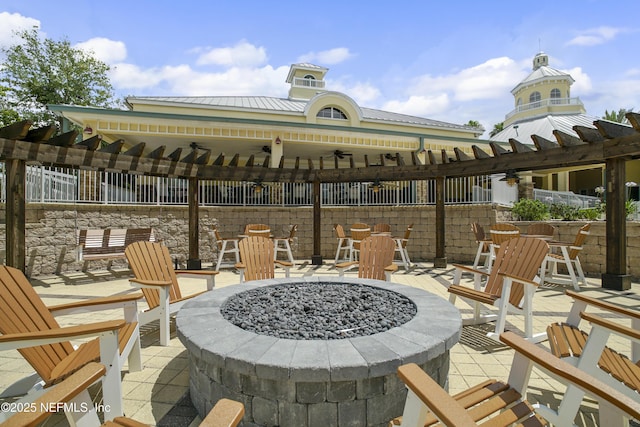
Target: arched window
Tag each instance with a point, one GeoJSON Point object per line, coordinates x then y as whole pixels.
{"type": "Point", "coordinates": [309, 80]}
{"type": "Point", "coordinates": [331, 113]}
{"type": "Point", "coordinates": [555, 96]}
{"type": "Point", "coordinates": [534, 99]}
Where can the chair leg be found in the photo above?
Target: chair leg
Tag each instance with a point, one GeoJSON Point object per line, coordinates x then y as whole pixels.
{"type": "Point", "coordinates": [583, 279]}
{"type": "Point", "coordinates": [221, 254]}
{"type": "Point", "coordinates": [476, 261]}
{"type": "Point", "coordinates": [289, 253]}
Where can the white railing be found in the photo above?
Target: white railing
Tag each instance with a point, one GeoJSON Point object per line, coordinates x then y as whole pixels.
{"type": "Point", "coordinates": [549, 197]}
{"type": "Point", "coordinates": [554, 102]}
{"type": "Point", "coordinates": [302, 82]}
{"type": "Point", "coordinates": [64, 185]}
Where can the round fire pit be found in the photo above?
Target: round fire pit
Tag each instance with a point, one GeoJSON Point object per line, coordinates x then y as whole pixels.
{"type": "Point", "coordinates": [315, 350]}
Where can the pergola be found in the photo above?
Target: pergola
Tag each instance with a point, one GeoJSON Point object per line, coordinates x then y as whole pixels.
{"type": "Point", "coordinates": [610, 143]}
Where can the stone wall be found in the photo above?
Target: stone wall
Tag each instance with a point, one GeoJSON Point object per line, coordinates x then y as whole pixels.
{"type": "Point", "coordinates": [51, 231]}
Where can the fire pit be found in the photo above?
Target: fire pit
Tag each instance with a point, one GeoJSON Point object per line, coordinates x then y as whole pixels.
{"type": "Point", "coordinates": [315, 350]}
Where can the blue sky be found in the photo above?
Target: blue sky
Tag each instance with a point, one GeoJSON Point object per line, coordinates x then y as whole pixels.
{"type": "Point", "coordinates": [445, 60]}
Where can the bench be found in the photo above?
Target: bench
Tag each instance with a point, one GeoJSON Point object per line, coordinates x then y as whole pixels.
{"type": "Point", "coordinates": [109, 244]}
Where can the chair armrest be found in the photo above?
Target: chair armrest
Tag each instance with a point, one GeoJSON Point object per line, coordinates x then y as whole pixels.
{"type": "Point", "coordinates": [198, 272]}
{"type": "Point", "coordinates": [570, 374]}
{"type": "Point", "coordinates": [470, 269]}
{"type": "Point", "coordinates": [239, 266]}
{"type": "Point", "coordinates": [346, 264]}
{"type": "Point", "coordinates": [614, 327]}
{"type": "Point", "coordinates": [64, 392]}
{"type": "Point", "coordinates": [519, 279]}
{"type": "Point", "coordinates": [149, 283]}
{"type": "Point", "coordinates": [94, 304]}
{"type": "Point", "coordinates": [50, 336]}
{"type": "Point", "coordinates": [225, 413]}
{"type": "Point", "coordinates": [634, 314]}
{"type": "Point", "coordinates": [285, 264]}
{"type": "Point", "coordinates": [443, 406]}
{"type": "Point", "coordinates": [391, 268]}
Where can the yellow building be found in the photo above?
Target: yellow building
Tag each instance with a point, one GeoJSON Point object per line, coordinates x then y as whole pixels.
{"type": "Point", "coordinates": [311, 123]}
{"type": "Point", "coordinates": [543, 104]}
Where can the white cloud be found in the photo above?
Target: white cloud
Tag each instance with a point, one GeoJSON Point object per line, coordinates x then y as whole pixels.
{"type": "Point", "coordinates": [184, 80]}
{"type": "Point", "coordinates": [243, 54]}
{"type": "Point", "coordinates": [327, 57]}
{"type": "Point", "coordinates": [107, 51]}
{"type": "Point", "coordinates": [12, 22]}
{"type": "Point", "coordinates": [435, 95]}
{"type": "Point", "coordinates": [423, 106]}
{"type": "Point", "coordinates": [582, 83]}
{"type": "Point", "coordinates": [132, 77]}
{"type": "Point", "coordinates": [595, 36]}
{"type": "Point", "coordinates": [365, 94]}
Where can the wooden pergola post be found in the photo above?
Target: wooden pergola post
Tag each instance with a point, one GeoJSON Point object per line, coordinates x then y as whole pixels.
{"type": "Point", "coordinates": [16, 172]}
{"type": "Point", "coordinates": [194, 262]}
{"type": "Point", "coordinates": [441, 260]}
{"type": "Point", "coordinates": [616, 276]}
{"type": "Point", "coordinates": [316, 258]}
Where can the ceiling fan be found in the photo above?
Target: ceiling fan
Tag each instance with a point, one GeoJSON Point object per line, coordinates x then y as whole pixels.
{"type": "Point", "coordinates": [341, 154]}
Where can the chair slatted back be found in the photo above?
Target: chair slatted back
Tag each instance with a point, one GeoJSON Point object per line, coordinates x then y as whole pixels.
{"type": "Point", "coordinates": [579, 241]}
{"type": "Point", "coordinates": [257, 255]}
{"type": "Point", "coordinates": [376, 253]}
{"type": "Point", "coordinates": [216, 233]}
{"type": "Point", "coordinates": [152, 261]}
{"type": "Point", "coordinates": [22, 310]}
{"type": "Point", "coordinates": [339, 231]}
{"type": "Point", "coordinates": [407, 234]}
{"type": "Point", "coordinates": [541, 229]}
{"type": "Point", "coordinates": [382, 228]}
{"type": "Point", "coordinates": [503, 232]}
{"type": "Point", "coordinates": [359, 232]}
{"type": "Point", "coordinates": [292, 232]}
{"type": "Point", "coordinates": [478, 232]}
{"type": "Point", "coordinates": [520, 257]}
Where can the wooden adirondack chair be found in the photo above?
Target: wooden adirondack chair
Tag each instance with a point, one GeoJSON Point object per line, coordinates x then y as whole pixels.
{"type": "Point", "coordinates": [484, 244]}
{"type": "Point", "coordinates": [569, 257]}
{"type": "Point", "coordinates": [510, 285]}
{"type": "Point", "coordinates": [73, 391]}
{"type": "Point", "coordinates": [154, 273]}
{"type": "Point", "coordinates": [257, 259]}
{"type": "Point", "coordinates": [376, 259]}
{"type": "Point", "coordinates": [499, 234]}
{"type": "Point", "coordinates": [401, 247]}
{"type": "Point", "coordinates": [541, 229]}
{"type": "Point", "coordinates": [283, 244]}
{"type": "Point", "coordinates": [358, 232]}
{"type": "Point", "coordinates": [590, 352]}
{"type": "Point", "coordinates": [343, 243]}
{"type": "Point", "coordinates": [226, 245]}
{"type": "Point", "coordinates": [497, 403]}
{"type": "Point", "coordinates": [27, 325]}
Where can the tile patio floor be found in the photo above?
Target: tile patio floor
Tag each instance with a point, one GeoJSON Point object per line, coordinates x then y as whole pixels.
{"type": "Point", "coordinates": [157, 394]}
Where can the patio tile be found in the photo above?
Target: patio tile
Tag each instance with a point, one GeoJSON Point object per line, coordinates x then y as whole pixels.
{"type": "Point", "coordinates": [151, 393]}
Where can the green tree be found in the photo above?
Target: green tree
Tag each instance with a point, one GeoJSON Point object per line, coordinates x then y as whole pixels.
{"type": "Point", "coordinates": [38, 72]}
{"type": "Point", "coordinates": [618, 116]}
{"type": "Point", "coordinates": [497, 128]}
{"type": "Point", "coordinates": [474, 123]}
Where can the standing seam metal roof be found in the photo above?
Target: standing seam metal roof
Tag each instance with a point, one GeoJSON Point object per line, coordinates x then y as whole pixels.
{"type": "Point", "coordinates": [273, 104]}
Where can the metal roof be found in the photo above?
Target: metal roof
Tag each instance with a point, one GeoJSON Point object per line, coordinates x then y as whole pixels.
{"type": "Point", "coordinates": [544, 127]}
{"type": "Point", "coordinates": [284, 105]}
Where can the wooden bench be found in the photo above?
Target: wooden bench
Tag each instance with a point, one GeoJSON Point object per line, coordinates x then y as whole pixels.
{"type": "Point", "coordinates": [109, 244]}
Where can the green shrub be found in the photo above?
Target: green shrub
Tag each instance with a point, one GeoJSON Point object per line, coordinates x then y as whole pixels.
{"type": "Point", "coordinates": [564, 212]}
{"type": "Point", "coordinates": [530, 210]}
{"type": "Point", "coordinates": [590, 214]}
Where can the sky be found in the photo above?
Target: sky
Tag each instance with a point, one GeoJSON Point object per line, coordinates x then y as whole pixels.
{"type": "Point", "coordinates": [452, 61]}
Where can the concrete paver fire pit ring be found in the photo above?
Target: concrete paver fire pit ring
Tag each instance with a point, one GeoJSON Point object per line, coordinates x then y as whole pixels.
{"type": "Point", "coordinates": [287, 382]}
